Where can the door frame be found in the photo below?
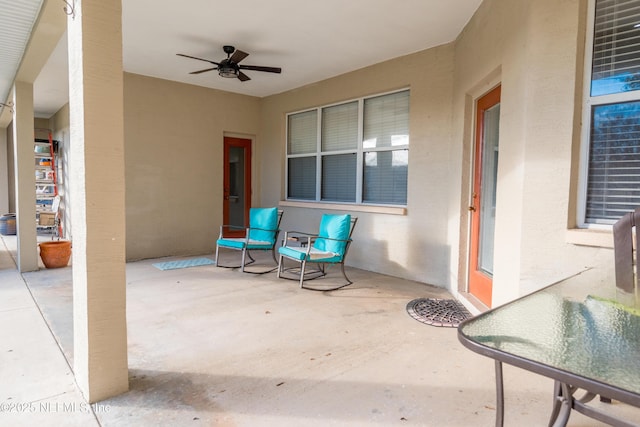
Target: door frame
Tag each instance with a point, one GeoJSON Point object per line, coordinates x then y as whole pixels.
{"type": "Point", "coordinates": [479, 285]}
{"type": "Point", "coordinates": [246, 143]}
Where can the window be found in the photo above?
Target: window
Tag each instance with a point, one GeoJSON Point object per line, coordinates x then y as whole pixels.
{"type": "Point", "coordinates": [611, 185]}
{"type": "Point", "coordinates": [355, 152]}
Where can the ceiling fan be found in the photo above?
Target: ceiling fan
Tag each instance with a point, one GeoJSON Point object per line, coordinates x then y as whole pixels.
{"type": "Point", "coordinates": [229, 66]}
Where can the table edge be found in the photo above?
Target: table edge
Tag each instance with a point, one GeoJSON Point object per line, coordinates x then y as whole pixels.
{"type": "Point", "coordinates": [589, 384]}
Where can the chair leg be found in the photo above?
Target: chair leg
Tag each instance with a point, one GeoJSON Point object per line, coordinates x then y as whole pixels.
{"type": "Point", "coordinates": [244, 253]}
{"type": "Point", "coordinates": [345, 274]}
{"type": "Point", "coordinates": [217, 247]}
{"type": "Point", "coordinates": [302, 266]}
{"type": "Point", "coordinates": [279, 267]}
{"type": "Point", "coordinates": [321, 269]}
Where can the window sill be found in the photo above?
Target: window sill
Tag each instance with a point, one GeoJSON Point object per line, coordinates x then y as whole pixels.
{"type": "Point", "coordinates": [389, 210]}
{"type": "Point", "coordinates": [590, 237]}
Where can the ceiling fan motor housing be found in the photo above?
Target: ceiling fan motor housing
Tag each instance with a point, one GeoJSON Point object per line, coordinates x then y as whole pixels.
{"type": "Point", "coordinates": [229, 66]}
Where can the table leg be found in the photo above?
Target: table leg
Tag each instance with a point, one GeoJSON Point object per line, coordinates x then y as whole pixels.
{"type": "Point", "coordinates": [562, 404]}
{"type": "Point", "coordinates": [557, 393]}
{"type": "Point", "coordinates": [499, 395]}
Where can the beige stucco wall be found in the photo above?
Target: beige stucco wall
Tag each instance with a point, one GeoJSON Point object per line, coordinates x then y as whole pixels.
{"type": "Point", "coordinates": [173, 163]}
{"type": "Point", "coordinates": [174, 134]}
{"type": "Point", "coordinates": [414, 245]}
{"type": "Point", "coordinates": [41, 123]}
{"type": "Point", "coordinates": [535, 50]}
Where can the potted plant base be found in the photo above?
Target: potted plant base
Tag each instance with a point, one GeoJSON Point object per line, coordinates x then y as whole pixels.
{"type": "Point", "coordinates": [55, 254]}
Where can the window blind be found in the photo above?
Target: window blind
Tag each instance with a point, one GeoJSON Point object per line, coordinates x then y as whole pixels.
{"type": "Point", "coordinates": [303, 133]}
{"type": "Point", "coordinates": [616, 44]}
{"type": "Point", "coordinates": [613, 185]}
{"type": "Point", "coordinates": [339, 178]}
{"type": "Point", "coordinates": [386, 120]}
{"type": "Point", "coordinates": [385, 177]}
{"type": "Point", "coordinates": [301, 182]}
{"type": "Point", "coordinates": [340, 127]}
{"type": "Point", "coordinates": [351, 170]}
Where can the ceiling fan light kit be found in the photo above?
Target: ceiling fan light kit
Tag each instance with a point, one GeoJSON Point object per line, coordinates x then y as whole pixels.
{"type": "Point", "coordinates": [228, 72]}
{"type": "Point", "coordinates": [229, 67]}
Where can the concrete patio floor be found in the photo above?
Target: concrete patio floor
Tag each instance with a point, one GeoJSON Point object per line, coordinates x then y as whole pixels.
{"type": "Point", "coordinates": [211, 346]}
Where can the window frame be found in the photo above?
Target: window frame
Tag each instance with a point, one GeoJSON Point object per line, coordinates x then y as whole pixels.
{"type": "Point", "coordinates": [359, 151]}
{"type": "Point", "coordinates": [589, 102]}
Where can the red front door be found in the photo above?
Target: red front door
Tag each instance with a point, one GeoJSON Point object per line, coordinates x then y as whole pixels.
{"type": "Point", "coordinates": [237, 185]}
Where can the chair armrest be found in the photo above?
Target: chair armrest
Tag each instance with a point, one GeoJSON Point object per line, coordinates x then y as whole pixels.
{"type": "Point", "coordinates": [309, 236]}
{"type": "Point", "coordinates": [299, 236]}
{"type": "Point", "coordinates": [273, 230]}
{"type": "Point", "coordinates": [335, 240]}
{"type": "Point", "coordinates": [229, 226]}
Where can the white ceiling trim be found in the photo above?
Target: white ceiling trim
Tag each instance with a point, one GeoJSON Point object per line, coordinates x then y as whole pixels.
{"type": "Point", "coordinates": [17, 18]}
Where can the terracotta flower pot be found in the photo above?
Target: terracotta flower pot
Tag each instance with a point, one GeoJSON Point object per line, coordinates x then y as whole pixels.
{"type": "Point", "coordinates": [55, 254]}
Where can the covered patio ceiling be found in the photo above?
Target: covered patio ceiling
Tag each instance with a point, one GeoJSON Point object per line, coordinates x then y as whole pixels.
{"type": "Point", "coordinates": [310, 43]}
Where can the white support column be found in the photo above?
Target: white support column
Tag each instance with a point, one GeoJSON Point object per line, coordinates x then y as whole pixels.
{"type": "Point", "coordinates": [25, 178]}
{"type": "Point", "coordinates": [97, 192]}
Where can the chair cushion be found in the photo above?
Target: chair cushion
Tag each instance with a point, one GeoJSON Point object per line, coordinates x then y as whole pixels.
{"type": "Point", "coordinates": [241, 243]}
{"type": "Point", "coordinates": [335, 227]}
{"type": "Point", "coordinates": [260, 220]}
{"type": "Point", "coordinates": [234, 243]}
{"type": "Point", "coordinates": [315, 255]}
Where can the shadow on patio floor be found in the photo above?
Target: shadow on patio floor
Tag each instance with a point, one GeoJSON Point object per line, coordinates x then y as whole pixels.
{"type": "Point", "coordinates": [218, 347]}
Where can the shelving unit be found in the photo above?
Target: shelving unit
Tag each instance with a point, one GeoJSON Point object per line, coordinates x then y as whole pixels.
{"type": "Point", "coordinates": [46, 182]}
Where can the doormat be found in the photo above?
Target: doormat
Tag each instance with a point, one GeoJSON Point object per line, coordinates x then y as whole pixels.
{"type": "Point", "coordinates": [183, 263]}
{"type": "Point", "coordinates": [438, 312]}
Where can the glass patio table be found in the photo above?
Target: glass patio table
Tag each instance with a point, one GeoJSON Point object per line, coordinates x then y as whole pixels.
{"type": "Point", "coordinates": [582, 332]}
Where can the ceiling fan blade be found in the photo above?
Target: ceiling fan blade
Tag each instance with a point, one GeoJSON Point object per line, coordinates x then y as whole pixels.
{"type": "Point", "coordinates": [199, 59]}
{"type": "Point", "coordinates": [259, 68]}
{"type": "Point", "coordinates": [238, 56]}
{"type": "Point", "coordinates": [243, 77]}
{"type": "Point", "coordinates": [203, 71]}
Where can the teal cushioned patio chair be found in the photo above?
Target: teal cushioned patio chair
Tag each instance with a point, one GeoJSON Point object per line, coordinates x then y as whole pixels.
{"type": "Point", "coordinates": [328, 247]}
{"type": "Point", "coordinates": [261, 235]}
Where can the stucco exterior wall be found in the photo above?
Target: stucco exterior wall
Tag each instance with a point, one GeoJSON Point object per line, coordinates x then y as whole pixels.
{"type": "Point", "coordinates": [174, 143]}
{"type": "Point", "coordinates": [174, 165]}
{"type": "Point", "coordinates": [535, 51]}
{"type": "Point", "coordinates": [412, 246]}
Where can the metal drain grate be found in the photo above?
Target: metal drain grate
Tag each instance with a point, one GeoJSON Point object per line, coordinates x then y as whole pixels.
{"type": "Point", "coordinates": [438, 312]}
